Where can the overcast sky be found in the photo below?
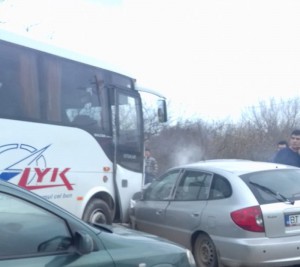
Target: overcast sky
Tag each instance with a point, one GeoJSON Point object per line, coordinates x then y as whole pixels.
{"type": "Point", "coordinates": [210, 58]}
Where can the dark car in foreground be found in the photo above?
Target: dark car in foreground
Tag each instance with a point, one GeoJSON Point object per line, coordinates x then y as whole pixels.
{"type": "Point", "coordinates": [228, 212]}
{"type": "Point", "coordinates": [36, 233]}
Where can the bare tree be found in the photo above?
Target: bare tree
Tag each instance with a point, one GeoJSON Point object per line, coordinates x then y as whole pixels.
{"type": "Point", "coordinates": [253, 137]}
{"type": "Point", "coordinates": [270, 122]}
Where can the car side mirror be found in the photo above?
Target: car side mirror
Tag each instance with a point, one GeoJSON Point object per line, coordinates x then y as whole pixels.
{"type": "Point", "coordinates": [137, 196]}
{"type": "Point", "coordinates": [140, 194]}
{"type": "Point", "coordinates": [162, 110]}
{"type": "Point", "coordinates": [84, 243]}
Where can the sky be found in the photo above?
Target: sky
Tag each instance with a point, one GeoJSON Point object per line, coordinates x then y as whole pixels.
{"type": "Point", "coordinates": [212, 59]}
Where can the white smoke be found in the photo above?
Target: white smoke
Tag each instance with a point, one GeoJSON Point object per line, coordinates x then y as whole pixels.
{"type": "Point", "coordinates": [186, 155]}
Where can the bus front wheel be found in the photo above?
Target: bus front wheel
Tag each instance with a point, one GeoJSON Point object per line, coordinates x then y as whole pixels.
{"type": "Point", "coordinates": [97, 211]}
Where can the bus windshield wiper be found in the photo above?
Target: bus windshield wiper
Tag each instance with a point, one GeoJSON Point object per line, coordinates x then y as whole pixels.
{"type": "Point", "coordinates": [278, 196]}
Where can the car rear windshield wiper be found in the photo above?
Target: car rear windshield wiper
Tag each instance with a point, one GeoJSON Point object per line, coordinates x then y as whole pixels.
{"type": "Point", "coordinates": [278, 196]}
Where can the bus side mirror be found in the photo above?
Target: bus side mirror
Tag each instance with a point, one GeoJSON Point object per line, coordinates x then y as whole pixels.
{"type": "Point", "coordinates": [162, 110]}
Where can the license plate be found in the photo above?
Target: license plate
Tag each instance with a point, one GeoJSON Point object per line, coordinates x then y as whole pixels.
{"type": "Point", "coordinates": [292, 219]}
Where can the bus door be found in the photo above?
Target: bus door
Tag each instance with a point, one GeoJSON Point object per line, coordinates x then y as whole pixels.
{"type": "Point", "coordinates": [128, 153]}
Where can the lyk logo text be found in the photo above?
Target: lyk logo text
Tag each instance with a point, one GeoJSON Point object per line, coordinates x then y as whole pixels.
{"type": "Point", "coordinates": [30, 164]}
{"type": "Point", "coordinates": [42, 176]}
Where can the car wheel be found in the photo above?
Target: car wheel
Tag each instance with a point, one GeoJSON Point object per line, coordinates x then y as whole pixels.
{"type": "Point", "coordinates": [97, 211]}
{"type": "Point", "coordinates": [205, 252]}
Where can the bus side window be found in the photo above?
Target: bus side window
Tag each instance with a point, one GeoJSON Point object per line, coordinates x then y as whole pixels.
{"type": "Point", "coordinates": [19, 93]}
{"type": "Point", "coordinates": [10, 105]}
{"type": "Point", "coordinates": [81, 101]}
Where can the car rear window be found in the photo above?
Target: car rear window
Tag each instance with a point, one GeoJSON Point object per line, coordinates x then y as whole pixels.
{"type": "Point", "coordinates": [280, 185]}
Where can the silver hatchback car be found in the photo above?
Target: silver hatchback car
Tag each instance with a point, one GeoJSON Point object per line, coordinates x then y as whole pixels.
{"type": "Point", "coordinates": [228, 212]}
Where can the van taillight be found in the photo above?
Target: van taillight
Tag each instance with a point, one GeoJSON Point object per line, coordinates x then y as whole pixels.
{"type": "Point", "coordinates": [249, 219]}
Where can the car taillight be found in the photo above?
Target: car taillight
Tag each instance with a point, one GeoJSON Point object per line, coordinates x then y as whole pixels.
{"type": "Point", "coordinates": [249, 219]}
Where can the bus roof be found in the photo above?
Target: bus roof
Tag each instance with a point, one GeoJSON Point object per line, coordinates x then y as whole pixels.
{"type": "Point", "coordinates": [142, 88]}
{"type": "Point", "coordinates": [65, 52]}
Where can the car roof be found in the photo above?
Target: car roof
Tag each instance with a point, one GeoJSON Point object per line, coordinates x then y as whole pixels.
{"type": "Point", "coordinates": [235, 166]}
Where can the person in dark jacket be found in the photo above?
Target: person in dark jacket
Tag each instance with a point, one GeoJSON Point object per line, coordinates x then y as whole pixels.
{"type": "Point", "coordinates": [280, 145]}
{"type": "Point", "coordinates": [290, 155]}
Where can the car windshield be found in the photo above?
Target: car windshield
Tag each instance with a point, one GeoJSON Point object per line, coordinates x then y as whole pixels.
{"type": "Point", "coordinates": [274, 185]}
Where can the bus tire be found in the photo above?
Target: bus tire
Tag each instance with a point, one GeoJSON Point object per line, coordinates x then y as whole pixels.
{"type": "Point", "coordinates": [97, 211]}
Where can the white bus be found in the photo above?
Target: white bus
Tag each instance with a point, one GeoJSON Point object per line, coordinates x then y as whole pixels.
{"type": "Point", "coordinates": [71, 129]}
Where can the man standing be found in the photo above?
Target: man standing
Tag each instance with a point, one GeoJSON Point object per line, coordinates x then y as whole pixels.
{"type": "Point", "coordinates": [151, 167]}
{"type": "Point", "coordinates": [290, 155]}
{"type": "Point", "coordinates": [282, 144]}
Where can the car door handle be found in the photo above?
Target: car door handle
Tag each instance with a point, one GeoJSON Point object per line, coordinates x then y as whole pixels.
{"type": "Point", "coordinates": [195, 214]}
{"type": "Point", "coordinates": [158, 212]}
